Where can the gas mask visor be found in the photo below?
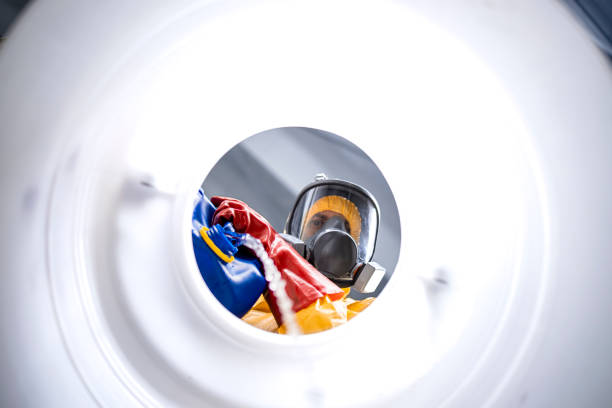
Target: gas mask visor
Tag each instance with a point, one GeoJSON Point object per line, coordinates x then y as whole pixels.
{"type": "Point", "coordinates": [334, 224]}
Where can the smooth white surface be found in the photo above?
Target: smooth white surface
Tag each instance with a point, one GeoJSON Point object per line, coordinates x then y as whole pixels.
{"type": "Point", "coordinates": [493, 135]}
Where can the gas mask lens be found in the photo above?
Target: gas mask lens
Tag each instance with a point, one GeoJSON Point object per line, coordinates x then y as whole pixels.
{"type": "Point", "coordinates": [338, 223]}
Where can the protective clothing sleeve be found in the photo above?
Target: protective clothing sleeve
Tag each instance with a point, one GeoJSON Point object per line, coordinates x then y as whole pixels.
{"type": "Point", "coordinates": [304, 284]}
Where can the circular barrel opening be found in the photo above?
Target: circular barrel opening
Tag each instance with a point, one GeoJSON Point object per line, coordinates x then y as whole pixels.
{"type": "Point", "coordinates": [295, 230]}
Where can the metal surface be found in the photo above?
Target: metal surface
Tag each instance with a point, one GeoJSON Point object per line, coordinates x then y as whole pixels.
{"type": "Point", "coordinates": [369, 277]}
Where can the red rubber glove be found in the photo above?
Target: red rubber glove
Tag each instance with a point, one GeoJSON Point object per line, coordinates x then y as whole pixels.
{"type": "Point", "coordinates": [304, 283]}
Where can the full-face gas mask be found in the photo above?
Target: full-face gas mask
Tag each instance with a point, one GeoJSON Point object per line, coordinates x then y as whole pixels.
{"type": "Point", "coordinates": [333, 224]}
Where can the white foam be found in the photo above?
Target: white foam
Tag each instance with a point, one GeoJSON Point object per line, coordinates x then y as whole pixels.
{"type": "Point", "coordinates": [276, 284]}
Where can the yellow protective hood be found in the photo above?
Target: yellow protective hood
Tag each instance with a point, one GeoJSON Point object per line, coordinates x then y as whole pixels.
{"type": "Point", "coordinates": [341, 206]}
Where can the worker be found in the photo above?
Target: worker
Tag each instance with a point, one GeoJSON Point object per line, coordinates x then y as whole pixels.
{"type": "Point", "coordinates": [329, 242]}
{"type": "Point", "coordinates": [334, 225]}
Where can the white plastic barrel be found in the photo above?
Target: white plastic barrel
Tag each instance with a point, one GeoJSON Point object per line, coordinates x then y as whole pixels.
{"type": "Point", "coordinates": [490, 120]}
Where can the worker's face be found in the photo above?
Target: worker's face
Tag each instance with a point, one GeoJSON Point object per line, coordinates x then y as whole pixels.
{"type": "Point", "coordinates": [316, 222]}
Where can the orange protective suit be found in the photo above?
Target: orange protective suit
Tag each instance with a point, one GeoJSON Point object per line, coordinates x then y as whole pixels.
{"type": "Point", "coordinates": [322, 314]}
